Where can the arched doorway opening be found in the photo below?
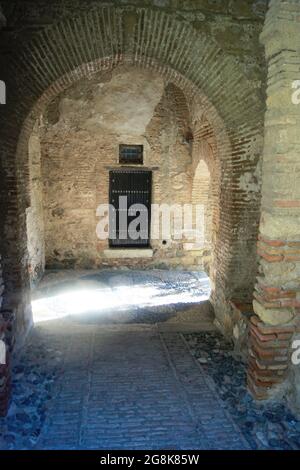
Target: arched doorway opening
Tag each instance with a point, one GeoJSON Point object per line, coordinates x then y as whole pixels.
{"type": "Point", "coordinates": [96, 41]}
{"type": "Point", "coordinates": [74, 149]}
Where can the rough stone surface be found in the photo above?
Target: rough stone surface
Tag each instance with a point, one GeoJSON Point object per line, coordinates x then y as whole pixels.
{"type": "Point", "coordinates": [270, 425]}
{"type": "Point", "coordinates": [103, 386]}
{"type": "Point", "coordinates": [277, 288]}
{"type": "Point", "coordinates": [116, 387]}
{"type": "Point", "coordinates": [34, 213]}
{"type": "Point", "coordinates": [81, 134]}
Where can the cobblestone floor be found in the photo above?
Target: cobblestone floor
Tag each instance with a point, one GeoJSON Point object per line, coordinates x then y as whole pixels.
{"type": "Point", "coordinates": [116, 387]}
{"type": "Point", "coordinates": [265, 425]}
{"type": "Point", "coordinates": [133, 381]}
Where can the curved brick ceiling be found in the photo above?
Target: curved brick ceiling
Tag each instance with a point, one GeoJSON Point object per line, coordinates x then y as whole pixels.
{"type": "Point", "coordinates": [141, 35]}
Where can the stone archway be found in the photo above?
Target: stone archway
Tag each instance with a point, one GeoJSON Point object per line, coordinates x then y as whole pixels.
{"type": "Point", "coordinates": [217, 92]}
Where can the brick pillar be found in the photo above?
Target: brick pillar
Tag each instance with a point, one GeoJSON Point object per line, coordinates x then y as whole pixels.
{"type": "Point", "coordinates": [277, 293]}
{"type": "Point", "coordinates": [269, 356]}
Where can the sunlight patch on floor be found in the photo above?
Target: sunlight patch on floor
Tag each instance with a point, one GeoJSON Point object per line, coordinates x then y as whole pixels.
{"type": "Point", "coordinates": [88, 298]}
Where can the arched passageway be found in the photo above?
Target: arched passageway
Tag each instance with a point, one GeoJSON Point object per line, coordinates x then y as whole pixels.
{"type": "Point", "coordinates": [119, 36]}
{"type": "Point", "coordinates": [219, 118]}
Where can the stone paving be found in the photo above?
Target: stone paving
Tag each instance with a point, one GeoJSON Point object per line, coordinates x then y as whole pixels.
{"type": "Point", "coordinates": [265, 425]}
{"type": "Point", "coordinates": [135, 381]}
{"type": "Point", "coordinates": [121, 387]}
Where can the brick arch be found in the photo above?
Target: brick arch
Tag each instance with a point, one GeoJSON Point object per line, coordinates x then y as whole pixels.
{"type": "Point", "coordinates": [182, 110]}
{"type": "Point", "coordinates": [214, 86]}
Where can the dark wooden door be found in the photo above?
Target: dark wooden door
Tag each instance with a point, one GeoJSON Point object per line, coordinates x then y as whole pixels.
{"type": "Point", "coordinates": [136, 186]}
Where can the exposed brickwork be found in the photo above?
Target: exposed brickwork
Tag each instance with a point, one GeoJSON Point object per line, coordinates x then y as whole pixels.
{"type": "Point", "coordinates": [221, 83]}
{"type": "Point", "coordinates": [278, 250]}
{"type": "Point", "coordinates": [159, 396]}
{"type": "Point", "coordinates": [239, 112]}
{"type": "Point", "coordinates": [202, 194]}
{"type": "Point", "coordinates": [269, 349]}
{"type": "Point", "coordinates": [81, 134]}
{"type": "Point", "coordinates": [205, 155]}
{"type": "Point", "coordinates": [34, 213]}
{"type": "Point", "coordinates": [277, 291]}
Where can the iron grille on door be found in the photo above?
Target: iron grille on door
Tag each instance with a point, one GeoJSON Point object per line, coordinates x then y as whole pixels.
{"type": "Point", "coordinates": [136, 185]}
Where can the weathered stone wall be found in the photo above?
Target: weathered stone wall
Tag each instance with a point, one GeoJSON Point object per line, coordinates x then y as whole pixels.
{"type": "Point", "coordinates": [202, 185]}
{"type": "Point", "coordinates": [34, 213]}
{"type": "Point", "coordinates": [81, 135]}
{"type": "Point", "coordinates": [277, 293]}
